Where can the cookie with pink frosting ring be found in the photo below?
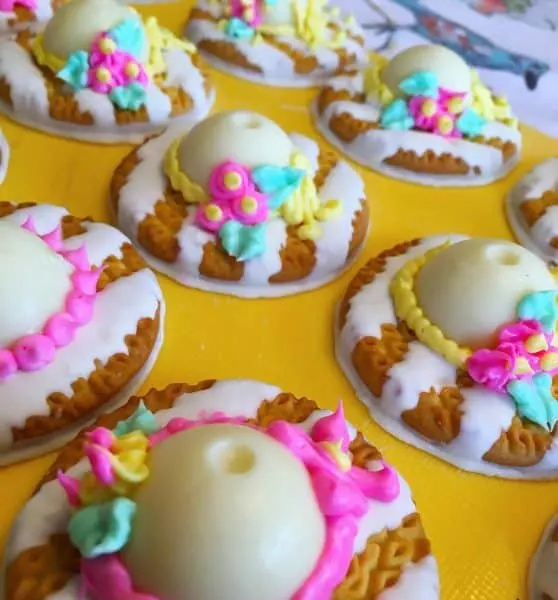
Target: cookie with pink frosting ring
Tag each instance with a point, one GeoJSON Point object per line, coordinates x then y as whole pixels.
{"type": "Point", "coordinates": [307, 503]}
{"type": "Point", "coordinates": [81, 323]}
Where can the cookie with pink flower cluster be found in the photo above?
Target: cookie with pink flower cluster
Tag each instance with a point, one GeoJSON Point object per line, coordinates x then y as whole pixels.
{"type": "Point", "coordinates": [100, 72]}
{"type": "Point", "coordinates": [236, 205]}
{"type": "Point", "coordinates": [81, 323]}
{"type": "Point", "coordinates": [423, 116]}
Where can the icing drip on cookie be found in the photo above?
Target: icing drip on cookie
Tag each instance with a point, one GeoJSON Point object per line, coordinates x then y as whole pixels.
{"type": "Point", "coordinates": [151, 489]}
{"type": "Point", "coordinates": [52, 309]}
{"type": "Point", "coordinates": [244, 172]}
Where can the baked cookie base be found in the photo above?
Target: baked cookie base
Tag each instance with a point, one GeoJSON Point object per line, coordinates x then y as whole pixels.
{"type": "Point", "coordinates": [546, 469]}
{"type": "Point", "coordinates": [268, 64]}
{"type": "Point", "coordinates": [390, 535]}
{"type": "Point", "coordinates": [541, 237]}
{"type": "Point", "coordinates": [146, 185]}
{"type": "Point", "coordinates": [544, 565]}
{"type": "Point", "coordinates": [32, 107]}
{"type": "Point", "coordinates": [4, 157]}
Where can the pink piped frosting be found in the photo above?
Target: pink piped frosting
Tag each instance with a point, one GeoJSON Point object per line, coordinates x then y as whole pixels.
{"type": "Point", "coordinates": [10, 5]}
{"type": "Point", "coordinates": [343, 497]}
{"type": "Point", "coordinates": [34, 352]}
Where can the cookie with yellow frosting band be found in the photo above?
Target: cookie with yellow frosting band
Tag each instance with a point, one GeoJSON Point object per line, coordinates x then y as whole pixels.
{"type": "Point", "coordinates": [543, 572]}
{"type": "Point", "coordinates": [236, 205]}
{"type": "Point", "coordinates": [100, 72]}
{"type": "Point", "coordinates": [284, 43]}
{"type": "Point", "coordinates": [424, 116]}
{"type": "Point", "coordinates": [450, 342]}
{"type": "Point", "coordinates": [81, 324]}
{"type": "Point", "coordinates": [531, 208]}
{"type": "Point", "coordinates": [157, 501]}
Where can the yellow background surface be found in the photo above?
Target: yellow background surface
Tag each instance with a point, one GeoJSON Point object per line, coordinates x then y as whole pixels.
{"type": "Point", "coordinates": [483, 530]}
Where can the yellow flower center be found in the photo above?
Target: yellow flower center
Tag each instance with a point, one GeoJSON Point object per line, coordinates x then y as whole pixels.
{"type": "Point", "coordinates": [249, 205]}
{"type": "Point", "coordinates": [549, 361]}
{"type": "Point", "coordinates": [213, 212]}
{"type": "Point", "coordinates": [248, 14]}
{"type": "Point", "coordinates": [445, 124]}
{"type": "Point", "coordinates": [103, 75]}
{"type": "Point", "coordinates": [131, 69]}
{"type": "Point", "coordinates": [232, 181]}
{"type": "Point", "coordinates": [428, 108]}
{"type": "Point", "coordinates": [455, 106]}
{"type": "Point", "coordinates": [107, 46]}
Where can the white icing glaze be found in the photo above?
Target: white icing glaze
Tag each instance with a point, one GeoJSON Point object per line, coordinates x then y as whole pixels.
{"type": "Point", "coordinates": [31, 107]}
{"type": "Point", "coordinates": [543, 178]}
{"type": "Point", "coordinates": [4, 157]}
{"type": "Point", "coordinates": [118, 309]}
{"type": "Point", "coordinates": [277, 69]}
{"type": "Point", "coordinates": [543, 572]}
{"type": "Point", "coordinates": [146, 185]}
{"type": "Point", "coordinates": [372, 147]}
{"type": "Point", "coordinates": [47, 512]}
{"type": "Point", "coordinates": [485, 413]}
{"type": "Point", "coordinates": [42, 14]}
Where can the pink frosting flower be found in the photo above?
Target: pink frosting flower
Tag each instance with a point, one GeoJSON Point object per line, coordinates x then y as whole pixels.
{"type": "Point", "coordinates": [250, 11]}
{"type": "Point", "coordinates": [228, 181]}
{"type": "Point", "coordinates": [250, 208]}
{"type": "Point", "coordinates": [493, 368]}
{"type": "Point", "coordinates": [104, 51]}
{"type": "Point", "coordinates": [452, 103]}
{"type": "Point", "coordinates": [102, 79]}
{"type": "Point", "coordinates": [520, 331]}
{"type": "Point", "coordinates": [424, 111]}
{"type": "Point", "coordinates": [212, 215]}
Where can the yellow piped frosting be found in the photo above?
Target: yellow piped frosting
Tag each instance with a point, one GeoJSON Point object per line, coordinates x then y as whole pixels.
{"type": "Point", "coordinates": [190, 190]}
{"type": "Point", "coordinates": [408, 310]}
{"type": "Point", "coordinates": [492, 108]}
{"type": "Point", "coordinates": [374, 87]}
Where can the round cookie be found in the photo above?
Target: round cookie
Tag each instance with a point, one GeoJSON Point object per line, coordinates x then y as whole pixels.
{"type": "Point", "coordinates": [81, 326]}
{"type": "Point", "coordinates": [543, 572]}
{"type": "Point", "coordinates": [423, 117]}
{"type": "Point", "coordinates": [531, 209]}
{"type": "Point", "coordinates": [332, 520]}
{"type": "Point", "coordinates": [285, 43]}
{"type": "Point", "coordinates": [100, 72]}
{"type": "Point", "coordinates": [235, 205]}
{"type": "Point", "coordinates": [450, 343]}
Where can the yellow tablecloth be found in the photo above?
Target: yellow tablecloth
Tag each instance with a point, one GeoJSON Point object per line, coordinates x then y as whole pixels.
{"type": "Point", "coordinates": [483, 530]}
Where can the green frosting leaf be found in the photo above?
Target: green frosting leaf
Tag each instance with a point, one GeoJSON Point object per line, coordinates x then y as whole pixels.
{"type": "Point", "coordinates": [540, 306]}
{"type": "Point", "coordinates": [243, 242]}
{"type": "Point", "coordinates": [142, 420]}
{"type": "Point", "coordinates": [421, 83]}
{"type": "Point", "coordinates": [534, 400]}
{"type": "Point", "coordinates": [396, 116]}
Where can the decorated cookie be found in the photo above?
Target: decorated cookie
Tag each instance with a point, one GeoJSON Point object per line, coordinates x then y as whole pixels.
{"type": "Point", "coordinates": [423, 117]}
{"type": "Point", "coordinates": [532, 210]}
{"type": "Point", "coordinates": [99, 72]}
{"type": "Point", "coordinates": [81, 325]}
{"type": "Point", "coordinates": [451, 344]}
{"type": "Point", "coordinates": [230, 489]}
{"type": "Point", "coordinates": [288, 43]}
{"type": "Point", "coordinates": [235, 205]}
{"type": "Point", "coordinates": [543, 574]}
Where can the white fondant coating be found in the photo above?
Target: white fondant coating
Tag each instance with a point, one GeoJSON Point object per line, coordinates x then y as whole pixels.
{"type": "Point", "coordinates": [48, 513]}
{"type": "Point", "coordinates": [538, 237]}
{"type": "Point", "coordinates": [30, 105]}
{"type": "Point", "coordinates": [277, 69]}
{"type": "Point", "coordinates": [36, 279]}
{"type": "Point", "coordinates": [118, 309]}
{"type": "Point", "coordinates": [485, 414]}
{"type": "Point", "coordinates": [242, 136]}
{"type": "Point", "coordinates": [4, 157]}
{"type": "Point", "coordinates": [146, 185]}
{"type": "Point", "coordinates": [543, 571]}
{"type": "Point", "coordinates": [482, 281]}
{"type": "Point", "coordinates": [372, 147]}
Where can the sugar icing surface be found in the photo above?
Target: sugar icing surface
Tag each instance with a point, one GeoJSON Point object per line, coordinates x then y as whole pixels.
{"type": "Point", "coordinates": [372, 147]}
{"type": "Point", "coordinates": [31, 107]}
{"type": "Point", "coordinates": [146, 185]}
{"type": "Point", "coordinates": [118, 309]}
{"type": "Point", "coordinates": [538, 237]}
{"type": "Point", "coordinates": [277, 68]}
{"type": "Point", "coordinates": [47, 511]}
{"type": "Point", "coordinates": [485, 414]}
{"type": "Point", "coordinates": [543, 573]}
{"type": "Point", "coordinates": [4, 157]}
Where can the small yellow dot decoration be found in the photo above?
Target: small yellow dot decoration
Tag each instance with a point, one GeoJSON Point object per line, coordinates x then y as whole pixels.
{"type": "Point", "coordinates": [456, 106]}
{"type": "Point", "coordinates": [536, 343]}
{"type": "Point", "coordinates": [232, 181]}
{"type": "Point", "coordinates": [249, 205]}
{"type": "Point", "coordinates": [132, 69]}
{"type": "Point", "coordinates": [549, 361]}
{"type": "Point", "coordinates": [213, 212]}
{"type": "Point", "coordinates": [107, 46]}
{"type": "Point", "coordinates": [445, 124]}
{"type": "Point", "coordinates": [103, 75]}
{"type": "Point", "coordinates": [248, 14]}
{"type": "Point", "coordinates": [429, 108]}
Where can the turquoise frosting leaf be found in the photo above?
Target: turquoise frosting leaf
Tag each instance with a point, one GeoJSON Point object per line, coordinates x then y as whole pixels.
{"type": "Point", "coordinates": [129, 97]}
{"type": "Point", "coordinates": [278, 183]}
{"type": "Point", "coordinates": [540, 306]}
{"type": "Point", "coordinates": [237, 29]}
{"type": "Point", "coordinates": [470, 123]}
{"type": "Point", "coordinates": [100, 529]}
{"type": "Point", "coordinates": [243, 242]}
{"type": "Point", "coordinates": [534, 400]}
{"type": "Point", "coordinates": [130, 37]}
{"type": "Point", "coordinates": [74, 72]}
{"type": "Point", "coordinates": [396, 116]}
{"type": "Point", "coordinates": [142, 420]}
{"type": "Point", "coordinates": [421, 83]}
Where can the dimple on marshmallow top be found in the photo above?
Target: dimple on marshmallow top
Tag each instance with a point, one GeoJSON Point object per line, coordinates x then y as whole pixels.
{"type": "Point", "coordinates": [36, 281]}
{"type": "Point", "coordinates": [471, 289]}
{"type": "Point", "coordinates": [245, 137]}
{"type": "Point", "coordinates": [229, 495]}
